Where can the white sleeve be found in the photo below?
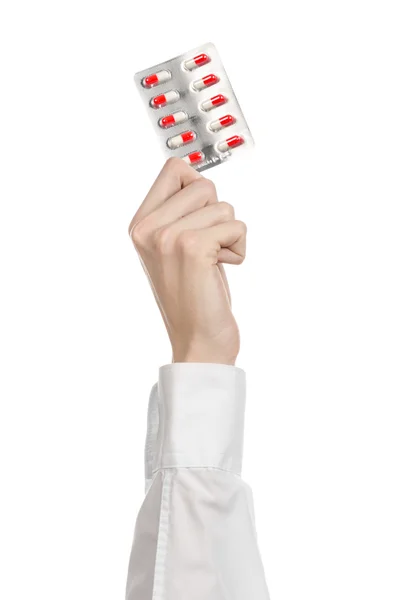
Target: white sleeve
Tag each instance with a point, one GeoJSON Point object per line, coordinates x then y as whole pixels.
{"type": "Point", "coordinates": [195, 534]}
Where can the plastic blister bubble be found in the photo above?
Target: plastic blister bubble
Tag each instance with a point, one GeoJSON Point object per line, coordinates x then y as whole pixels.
{"type": "Point", "coordinates": [194, 109]}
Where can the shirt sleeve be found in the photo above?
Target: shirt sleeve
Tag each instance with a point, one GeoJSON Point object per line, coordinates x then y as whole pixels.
{"type": "Point", "coordinates": [195, 533]}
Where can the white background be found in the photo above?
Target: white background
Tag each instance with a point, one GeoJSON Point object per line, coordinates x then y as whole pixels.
{"type": "Point", "coordinates": [81, 339]}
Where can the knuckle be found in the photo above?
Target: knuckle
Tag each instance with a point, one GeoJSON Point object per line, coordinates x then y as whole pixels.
{"type": "Point", "coordinates": [208, 186]}
{"type": "Point", "coordinates": [139, 234]}
{"type": "Point", "coordinates": [132, 225]}
{"type": "Point", "coordinates": [242, 227]}
{"type": "Point", "coordinates": [226, 209]}
{"type": "Point", "coordinates": [205, 189]}
{"type": "Point", "coordinates": [173, 164]}
{"type": "Point", "coordinates": [163, 241]}
{"type": "Point", "coordinates": [188, 243]}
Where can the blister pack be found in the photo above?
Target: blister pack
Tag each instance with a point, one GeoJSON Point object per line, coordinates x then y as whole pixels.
{"type": "Point", "coordinates": [193, 108]}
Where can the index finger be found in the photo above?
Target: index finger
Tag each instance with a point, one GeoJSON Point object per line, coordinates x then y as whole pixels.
{"type": "Point", "coordinates": [175, 175]}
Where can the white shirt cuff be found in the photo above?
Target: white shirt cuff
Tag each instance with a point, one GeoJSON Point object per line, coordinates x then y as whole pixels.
{"type": "Point", "coordinates": [201, 416]}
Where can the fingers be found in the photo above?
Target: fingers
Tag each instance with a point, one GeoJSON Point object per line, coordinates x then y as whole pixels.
{"type": "Point", "coordinates": [227, 241]}
{"type": "Point", "coordinates": [174, 176]}
{"type": "Point", "coordinates": [167, 235]}
{"type": "Point", "coordinates": [205, 217]}
{"type": "Point", "coordinates": [229, 257]}
{"type": "Point", "coordinates": [187, 201]}
{"type": "Point", "coordinates": [183, 203]}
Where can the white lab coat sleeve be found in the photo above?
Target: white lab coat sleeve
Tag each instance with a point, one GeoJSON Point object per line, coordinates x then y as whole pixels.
{"type": "Point", "coordinates": [195, 535]}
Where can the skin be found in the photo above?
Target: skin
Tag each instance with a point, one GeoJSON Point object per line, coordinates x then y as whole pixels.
{"type": "Point", "coordinates": [183, 236]}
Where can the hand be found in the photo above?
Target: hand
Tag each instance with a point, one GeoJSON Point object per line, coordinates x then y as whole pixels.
{"type": "Point", "coordinates": [183, 235]}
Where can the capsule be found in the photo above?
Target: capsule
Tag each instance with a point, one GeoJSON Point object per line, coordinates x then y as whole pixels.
{"type": "Point", "coordinates": [194, 158]}
{"type": "Point", "coordinates": [164, 99]}
{"type": "Point", "coordinates": [180, 140]}
{"type": "Point", "coordinates": [174, 119]}
{"type": "Point", "coordinates": [205, 82]}
{"type": "Point", "coordinates": [213, 102]}
{"type": "Point", "coordinates": [225, 121]}
{"type": "Point", "coordinates": [156, 78]}
{"type": "Point", "coordinates": [196, 61]}
{"type": "Point", "coordinates": [232, 142]}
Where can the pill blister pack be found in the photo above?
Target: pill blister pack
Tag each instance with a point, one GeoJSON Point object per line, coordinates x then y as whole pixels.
{"type": "Point", "coordinates": [193, 108]}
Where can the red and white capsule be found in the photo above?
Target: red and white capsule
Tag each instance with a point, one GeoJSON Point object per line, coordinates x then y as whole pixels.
{"type": "Point", "coordinates": [213, 102]}
{"type": "Point", "coordinates": [205, 82]}
{"type": "Point", "coordinates": [221, 123]}
{"type": "Point", "coordinates": [230, 143]}
{"type": "Point", "coordinates": [196, 61]}
{"type": "Point", "coordinates": [194, 158]}
{"type": "Point", "coordinates": [181, 140]}
{"type": "Point", "coordinates": [165, 99]}
{"type": "Point", "coordinates": [156, 78]}
{"type": "Point", "coordinates": [171, 120]}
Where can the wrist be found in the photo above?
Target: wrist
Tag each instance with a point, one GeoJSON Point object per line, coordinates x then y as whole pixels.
{"type": "Point", "coordinates": [204, 354]}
